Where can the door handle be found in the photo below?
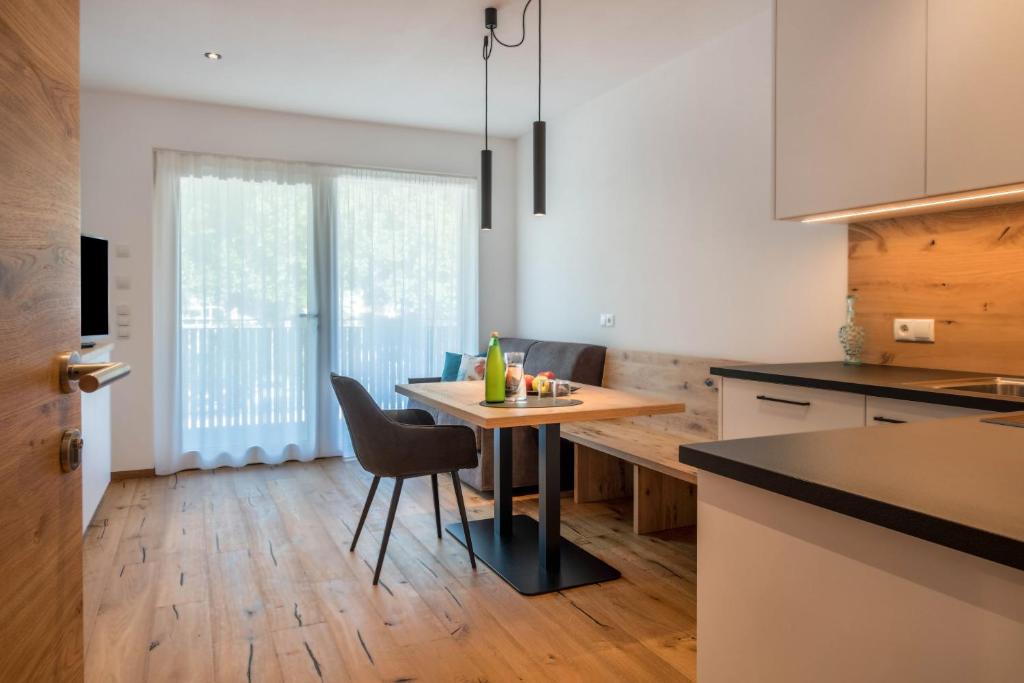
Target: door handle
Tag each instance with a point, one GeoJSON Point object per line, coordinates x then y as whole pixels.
{"type": "Point", "coordinates": [88, 377]}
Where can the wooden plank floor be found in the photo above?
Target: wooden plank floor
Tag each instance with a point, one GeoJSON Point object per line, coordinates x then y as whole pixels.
{"type": "Point", "coordinates": [245, 575]}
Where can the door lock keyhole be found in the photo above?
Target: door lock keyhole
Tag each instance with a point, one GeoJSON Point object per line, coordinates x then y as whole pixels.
{"type": "Point", "coordinates": [71, 445]}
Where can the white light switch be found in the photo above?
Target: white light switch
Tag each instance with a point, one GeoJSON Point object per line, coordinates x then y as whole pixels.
{"type": "Point", "coordinates": [123, 282]}
{"type": "Point", "coordinates": [122, 251]}
{"type": "Point", "coordinates": [123, 332]}
{"type": "Point", "coordinates": [913, 329]}
{"type": "Point", "coordinates": [124, 309]}
{"type": "Point", "coordinates": [607, 320]}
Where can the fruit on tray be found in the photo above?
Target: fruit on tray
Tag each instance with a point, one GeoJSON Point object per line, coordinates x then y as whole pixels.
{"type": "Point", "coordinates": [535, 382]}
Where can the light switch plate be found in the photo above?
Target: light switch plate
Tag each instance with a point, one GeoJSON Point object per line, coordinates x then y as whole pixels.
{"type": "Point", "coordinates": [607, 320]}
{"type": "Point", "coordinates": [921, 330]}
{"type": "Point", "coordinates": [124, 309]}
{"type": "Point", "coordinates": [122, 251]}
{"type": "Point", "coordinates": [124, 332]}
{"type": "Point", "coordinates": [123, 282]}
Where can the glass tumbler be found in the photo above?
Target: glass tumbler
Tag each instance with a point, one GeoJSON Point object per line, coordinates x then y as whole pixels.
{"type": "Point", "coordinates": [515, 387]}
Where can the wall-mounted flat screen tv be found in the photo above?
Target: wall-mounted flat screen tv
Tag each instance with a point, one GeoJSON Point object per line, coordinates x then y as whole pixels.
{"type": "Point", "coordinates": [95, 306]}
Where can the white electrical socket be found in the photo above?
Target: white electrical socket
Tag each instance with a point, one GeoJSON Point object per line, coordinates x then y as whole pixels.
{"type": "Point", "coordinates": [607, 320]}
{"type": "Point", "coordinates": [913, 329]}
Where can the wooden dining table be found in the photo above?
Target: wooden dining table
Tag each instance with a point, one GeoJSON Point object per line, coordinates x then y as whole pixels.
{"type": "Point", "coordinates": [529, 554]}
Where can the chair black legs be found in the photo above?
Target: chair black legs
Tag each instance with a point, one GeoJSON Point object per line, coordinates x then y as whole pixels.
{"type": "Point", "coordinates": [437, 505]}
{"type": "Point", "coordinates": [387, 528]}
{"type": "Point", "coordinates": [394, 508]}
{"type": "Point", "coordinates": [366, 509]}
{"type": "Point", "coordinates": [465, 522]}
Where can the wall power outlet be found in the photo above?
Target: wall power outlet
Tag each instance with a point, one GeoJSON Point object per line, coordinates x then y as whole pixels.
{"type": "Point", "coordinates": [921, 330]}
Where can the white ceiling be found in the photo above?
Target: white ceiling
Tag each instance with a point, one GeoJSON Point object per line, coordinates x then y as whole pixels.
{"type": "Point", "coordinates": [408, 62]}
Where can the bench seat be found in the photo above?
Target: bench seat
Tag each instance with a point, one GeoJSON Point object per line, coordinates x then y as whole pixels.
{"type": "Point", "coordinates": [655, 450]}
{"type": "Point", "coordinates": [619, 458]}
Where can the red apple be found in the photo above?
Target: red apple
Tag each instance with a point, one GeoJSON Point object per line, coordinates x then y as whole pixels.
{"type": "Point", "coordinates": [548, 374]}
{"type": "Point", "coordinates": [529, 382]}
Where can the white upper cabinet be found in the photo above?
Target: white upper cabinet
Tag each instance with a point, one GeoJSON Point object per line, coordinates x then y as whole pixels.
{"type": "Point", "coordinates": [850, 102]}
{"type": "Point", "coordinates": [975, 94]}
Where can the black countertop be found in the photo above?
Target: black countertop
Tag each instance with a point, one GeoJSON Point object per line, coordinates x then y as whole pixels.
{"type": "Point", "coordinates": [956, 482]}
{"type": "Point", "coordinates": [886, 381]}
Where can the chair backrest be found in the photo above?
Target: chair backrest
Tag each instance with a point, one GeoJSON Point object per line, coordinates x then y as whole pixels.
{"type": "Point", "coordinates": [576, 362]}
{"type": "Point", "coordinates": [369, 427]}
{"type": "Point", "coordinates": [582, 363]}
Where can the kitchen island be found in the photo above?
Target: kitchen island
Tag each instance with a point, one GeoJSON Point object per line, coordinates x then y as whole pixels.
{"type": "Point", "coordinates": [862, 554]}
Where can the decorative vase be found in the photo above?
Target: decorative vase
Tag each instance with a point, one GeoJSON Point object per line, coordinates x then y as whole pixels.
{"type": "Point", "coordinates": [851, 335]}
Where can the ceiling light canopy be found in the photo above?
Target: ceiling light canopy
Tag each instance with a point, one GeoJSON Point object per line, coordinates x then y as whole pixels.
{"type": "Point", "coordinates": [213, 56]}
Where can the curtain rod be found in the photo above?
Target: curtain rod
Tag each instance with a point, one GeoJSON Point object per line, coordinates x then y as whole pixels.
{"type": "Point", "coordinates": [320, 164]}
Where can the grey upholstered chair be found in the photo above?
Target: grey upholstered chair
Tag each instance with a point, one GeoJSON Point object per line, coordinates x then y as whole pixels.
{"type": "Point", "coordinates": [403, 444]}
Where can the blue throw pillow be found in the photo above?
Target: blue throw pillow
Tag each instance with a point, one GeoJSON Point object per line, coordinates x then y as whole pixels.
{"type": "Point", "coordinates": [451, 366]}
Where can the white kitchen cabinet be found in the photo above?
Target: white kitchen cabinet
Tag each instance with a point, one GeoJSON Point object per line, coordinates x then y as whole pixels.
{"type": "Point", "coordinates": [761, 409]}
{"type": "Point", "coordinates": [850, 103]}
{"type": "Point", "coordinates": [883, 411]}
{"type": "Point", "coordinates": [975, 98]}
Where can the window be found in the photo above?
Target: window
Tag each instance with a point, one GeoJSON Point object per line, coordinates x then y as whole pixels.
{"type": "Point", "coordinates": [282, 273]}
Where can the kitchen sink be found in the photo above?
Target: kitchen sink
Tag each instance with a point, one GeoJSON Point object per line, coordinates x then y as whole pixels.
{"type": "Point", "coordinates": [990, 386]}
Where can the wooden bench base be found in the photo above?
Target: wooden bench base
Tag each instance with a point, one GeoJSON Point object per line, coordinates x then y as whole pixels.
{"type": "Point", "coordinates": [659, 501]}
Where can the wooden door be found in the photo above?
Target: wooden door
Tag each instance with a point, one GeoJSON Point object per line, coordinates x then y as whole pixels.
{"type": "Point", "coordinates": [849, 103]}
{"type": "Point", "coordinates": [40, 507]}
{"type": "Point", "coordinates": [975, 99]}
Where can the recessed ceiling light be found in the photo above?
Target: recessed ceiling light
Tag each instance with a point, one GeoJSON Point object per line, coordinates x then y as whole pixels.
{"type": "Point", "coordinates": [213, 55]}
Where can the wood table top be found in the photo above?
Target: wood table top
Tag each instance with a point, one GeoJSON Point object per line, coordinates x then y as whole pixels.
{"type": "Point", "coordinates": [462, 399]}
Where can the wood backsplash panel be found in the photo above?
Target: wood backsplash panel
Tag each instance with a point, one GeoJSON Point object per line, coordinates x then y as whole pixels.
{"type": "Point", "coordinates": [963, 268]}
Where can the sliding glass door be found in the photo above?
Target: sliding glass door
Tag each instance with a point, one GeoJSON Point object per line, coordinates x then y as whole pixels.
{"type": "Point", "coordinates": [248, 341]}
{"type": "Point", "coordinates": [282, 273]}
{"type": "Point", "coordinates": [405, 277]}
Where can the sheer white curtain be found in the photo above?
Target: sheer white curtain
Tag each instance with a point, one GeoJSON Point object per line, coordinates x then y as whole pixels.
{"type": "Point", "coordinates": [252, 255]}
{"type": "Point", "coordinates": [405, 277]}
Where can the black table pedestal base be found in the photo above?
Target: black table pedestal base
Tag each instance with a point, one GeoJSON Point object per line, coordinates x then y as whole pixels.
{"type": "Point", "coordinates": [515, 558]}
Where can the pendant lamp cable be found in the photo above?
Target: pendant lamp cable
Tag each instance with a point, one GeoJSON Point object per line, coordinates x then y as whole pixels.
{"type": "Point", "coordinates": [523, 37]}
{"type": "Point", "coordinates": [540, 11]}
{"type": "Point", "coordinates": [489, 48]}
{"type": "Point", "coordinates": [487, 56]}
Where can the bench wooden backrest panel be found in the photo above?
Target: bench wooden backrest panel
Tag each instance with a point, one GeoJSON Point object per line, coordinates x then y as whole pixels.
{"type": "Point", "coordinates": [684, 378]}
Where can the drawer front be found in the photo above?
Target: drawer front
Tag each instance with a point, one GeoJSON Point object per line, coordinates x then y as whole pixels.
{"type": "Point", "coordinates": [762, 409]}
{"type": "Point", "coordinates": [884, 411]}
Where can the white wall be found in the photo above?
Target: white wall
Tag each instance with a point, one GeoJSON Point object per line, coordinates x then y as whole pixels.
{"type": "Point", "coordinates": [119, 133]}
{"type": "Point", "coordinates": [659, 201]}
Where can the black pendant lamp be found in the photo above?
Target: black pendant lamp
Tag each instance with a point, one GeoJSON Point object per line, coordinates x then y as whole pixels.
{"type": "Point", "coordinates": [539, 127]}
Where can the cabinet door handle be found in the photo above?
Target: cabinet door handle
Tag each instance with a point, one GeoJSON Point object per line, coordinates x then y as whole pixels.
{"type": "Point", "coordinates": [762, 397]}
{"type": "Point", "coordinates": [888, 420]}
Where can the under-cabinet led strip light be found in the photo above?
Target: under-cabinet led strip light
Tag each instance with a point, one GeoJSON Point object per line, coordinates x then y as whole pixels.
{"type": "Point", "coordinates": [910, 207]}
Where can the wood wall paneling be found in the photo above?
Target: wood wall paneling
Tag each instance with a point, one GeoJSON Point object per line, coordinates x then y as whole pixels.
{"type": "Point", "coordinates": [683, 378]}
{"type": "Point", "coordinates": [965, 269]}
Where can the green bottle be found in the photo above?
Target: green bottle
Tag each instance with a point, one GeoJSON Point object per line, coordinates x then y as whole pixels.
{"type": "Point", "coordinates": [494, 373]}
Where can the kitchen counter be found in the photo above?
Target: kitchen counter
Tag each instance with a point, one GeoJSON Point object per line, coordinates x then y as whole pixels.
{"type": "Point", "coordinates": [886, 381]}
{"type": "Point", "coordinates": [954, 482]}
